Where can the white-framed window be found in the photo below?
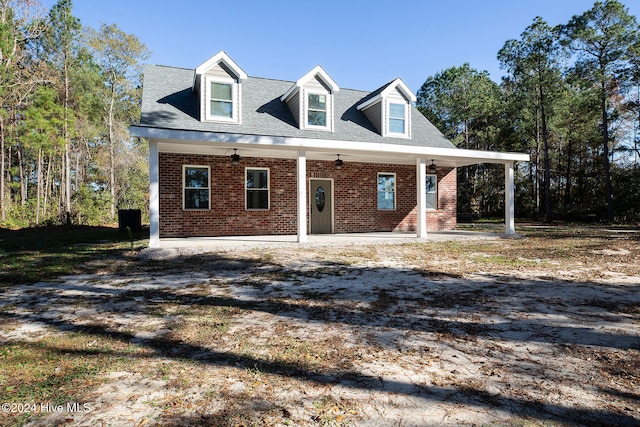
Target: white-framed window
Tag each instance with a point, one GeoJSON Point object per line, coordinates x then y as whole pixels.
{"type": "Point", "coordinates": [397, 119]}
{"type": "Point", "coordinates": [197, 187]}
{"type": "Point", "coordinates": [386, 191]}
{"type": "Point", "coordinates": [317, 110]}
{"type": "Point", "coordinates": [432, 192]}
{"type": "Point", "coordinates": [257, 188]}
{"type": "Point", "coordinates": [221, 103]}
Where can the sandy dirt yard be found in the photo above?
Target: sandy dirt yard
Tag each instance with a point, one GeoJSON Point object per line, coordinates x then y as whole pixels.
{"type": "Point", "coordinates": [540, 330]}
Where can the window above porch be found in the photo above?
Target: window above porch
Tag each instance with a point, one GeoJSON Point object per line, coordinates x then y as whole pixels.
{"type": "Point", "coordinates": [311, 100]}
{"type": "Point", "coordinates": [218, 82]}
{"type": "Point", "coordinates": [389, 109]}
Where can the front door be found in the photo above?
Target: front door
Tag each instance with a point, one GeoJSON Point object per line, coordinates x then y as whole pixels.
{"type": "Point", "coordinates": [321, 206]}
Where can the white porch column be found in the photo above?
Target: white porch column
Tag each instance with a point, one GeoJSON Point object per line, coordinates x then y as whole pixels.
{"type": "Point", "coordinates": [154, 196]}
{"type": "Point", "coordinates": [421, 198]}
{"type": "Point", "coordinates": [302, 197]}
{"type": "Point", "coordinates": [509, 192]}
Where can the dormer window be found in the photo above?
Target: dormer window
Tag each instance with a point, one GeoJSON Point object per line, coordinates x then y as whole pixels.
{"type": "Point", "coordinates": [317, 110]}
{"type": "Point", "coordinates": [397, 118]}
{"type": "Point", "coordinates": [221, 100]}
{"type": "Point", "coordinates": [310, 100]}
{"type": "Point", "coordinates": [218, 83]}
{"type": "Point", "coordinates": [389, 109]}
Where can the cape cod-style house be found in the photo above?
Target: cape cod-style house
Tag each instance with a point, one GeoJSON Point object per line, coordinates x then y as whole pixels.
{"type": "Point", "coordinates": [232, 155]}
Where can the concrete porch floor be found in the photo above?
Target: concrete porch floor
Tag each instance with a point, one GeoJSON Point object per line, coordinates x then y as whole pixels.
{"type": "Point", "coordinates": [231, 242]}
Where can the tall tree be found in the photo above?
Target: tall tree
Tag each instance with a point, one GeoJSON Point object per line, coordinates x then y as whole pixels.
{"type": "Point", "coordinates": [20, 26]}
{"type": "Point", "coordinates": [575, 122]}
{"type": "Point", "coordinates": [466, 105]}
{"type": "Point", "coordinates": [603, 38]}
{"type": "Point", "coordinates": [456, 100]}
{"type": "Point", "coordinates": [532, 62]}
{"type": "Point", "coordinates": [61, 43]}
{"type": "Point", "coordinates": [40, 135]}
{"type": "Point", "coordinates": [119, 55]}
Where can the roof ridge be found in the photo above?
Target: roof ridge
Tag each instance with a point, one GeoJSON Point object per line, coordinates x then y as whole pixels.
{"type": "Point", "coordinates": [293, 82]}
{"type": "Point", "coordinates": [169, 66]}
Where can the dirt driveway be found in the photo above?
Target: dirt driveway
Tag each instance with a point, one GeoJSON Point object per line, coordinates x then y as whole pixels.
{"type": "Point", "coordinates": [543, 330]}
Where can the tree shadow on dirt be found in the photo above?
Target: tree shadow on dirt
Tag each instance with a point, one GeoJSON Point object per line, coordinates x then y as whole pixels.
{"type": "Point", "coordinates": [167, 348]}
{"type": "Point", "coordinates": [157, 284]}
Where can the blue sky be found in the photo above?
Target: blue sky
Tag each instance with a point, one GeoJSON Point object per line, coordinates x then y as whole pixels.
{"type": "Point", "coordinates": [361, 44]}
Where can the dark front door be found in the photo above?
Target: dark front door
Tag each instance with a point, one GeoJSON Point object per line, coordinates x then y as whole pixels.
{"type": "Point", "coordinates": [321, 206]}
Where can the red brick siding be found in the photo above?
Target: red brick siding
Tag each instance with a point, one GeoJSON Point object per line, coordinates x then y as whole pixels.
{"type": "Point", "coordinates": [355, 198]}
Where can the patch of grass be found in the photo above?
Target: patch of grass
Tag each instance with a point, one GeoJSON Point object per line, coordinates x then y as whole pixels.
{"type": "Point", "coordinates": [504, 260]}
{"type": "Point", "coordinates": [262, 279]}
{"type": "Point", "coordinates": [522, 422]}
{"type": "Point", "coordinates": [198, 325]}
{"type": "Point", "coordinates": [384, 302]}
{"type": "Point", "coordinates": [44, 253]}
{"type": "Point", "coordinates": [58, 370]}
{"type": "Point", "coordinates": [317, 295]}
{"type": "Point", "coordinates": [333, 412]}
{"type": "Point", "coordinates": [353, 255]}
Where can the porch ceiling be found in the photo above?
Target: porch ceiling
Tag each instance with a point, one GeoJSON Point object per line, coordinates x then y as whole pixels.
{"type": "Point", "coordinates": [171, 141]}
{"type": "Point", "coordinates": [328, 154]}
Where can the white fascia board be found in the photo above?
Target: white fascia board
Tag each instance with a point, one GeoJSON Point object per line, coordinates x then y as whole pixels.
{"type": "Point", "coordinates": [215, 59]}
{"type": "Point", "coordinates": [316, 71]}
{"type": "Point", "coordinates": [458, 155]}
{"type": "Point", "coordinates": [399, 84]}
{"type": "Point", "coordinates": [369, 103]}
{"type": "Point", "coordinates": [324, 76]}
{"type": "Point", "coordinates": [288, 94]}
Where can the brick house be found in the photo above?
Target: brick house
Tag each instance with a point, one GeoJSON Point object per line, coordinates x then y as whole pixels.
{"type": "Point", "coordinates": [237, 155]}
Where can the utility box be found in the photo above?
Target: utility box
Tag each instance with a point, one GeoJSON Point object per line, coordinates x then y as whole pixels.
{"type": "Point", "coordinates": [131, 218]}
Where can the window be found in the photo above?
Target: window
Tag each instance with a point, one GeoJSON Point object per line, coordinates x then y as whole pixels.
{"type": "Point", "coordinates": [196, 187]}
{"type": "Point", "coordinates": [396, 118]}
{"type": "Point", "coordinates": [317, 110]}
{"type": "Point", "coordinates": [386, 191]}
{"type": "Point", "coordinates": [432, 192]}
{"type": "Point", "coordinates": [257, 188]}
{"type": "Point", "coordinates": [222, 99]}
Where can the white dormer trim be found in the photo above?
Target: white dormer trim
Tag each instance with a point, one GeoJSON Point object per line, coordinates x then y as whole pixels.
{"type": "Point", "coordinates": [316, 71]}
{"type": "Point", "coordinates": [220, 57]}
{"type": "Point", "coordinates": [396, 84]}
{"type": "Point", "coordinates": [315, 82]}
{"type": "Point", "coordinates": [378, 109]}
{"type": "Point", "coordinates": [220, 68]}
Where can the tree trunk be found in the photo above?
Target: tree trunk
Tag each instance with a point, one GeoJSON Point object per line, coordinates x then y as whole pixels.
{"type": "Point", "coordinates": [568, 172]}
{"type": "Point", "coordinates": [67, 172]}
{"type": "Point", "coordinates": [39, 186]}
{"type": "Point", "coordinates": [23, 182]}
{"type": "Point", "coordinates": [605, 147]}
{"type": "Point", "coordinates": [2, 161]}
{"type": "Point", "coordinates": [547, 161]}
{"type": "Point", "coordinates": [537, 190]}
{"type": "Point", "coordinates": [47, 185]}
{"type": "Point", "coordinates": [112, 157]}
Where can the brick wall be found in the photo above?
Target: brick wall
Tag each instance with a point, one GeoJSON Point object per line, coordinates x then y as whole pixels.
{"type": "Point", "coordinates": [355, 198]}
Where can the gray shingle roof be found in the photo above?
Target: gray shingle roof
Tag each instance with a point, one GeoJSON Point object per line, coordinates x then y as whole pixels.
{"type": "Point", "coordinates": [169, 103]}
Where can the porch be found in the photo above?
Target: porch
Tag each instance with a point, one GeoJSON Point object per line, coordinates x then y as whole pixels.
{"type": "Point", "coordinates": [304, 151]}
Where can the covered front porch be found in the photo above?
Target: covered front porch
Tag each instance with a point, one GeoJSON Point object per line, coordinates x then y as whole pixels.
{"type": "Point", "coordinates": [307, 150]}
